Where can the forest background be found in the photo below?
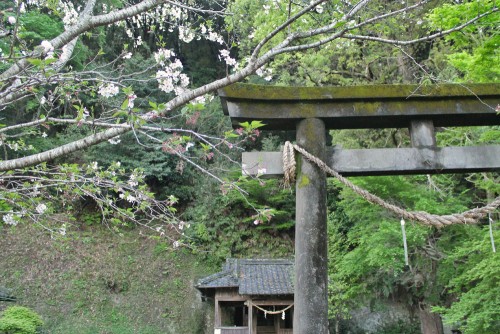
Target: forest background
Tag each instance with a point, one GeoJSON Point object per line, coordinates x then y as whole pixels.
{"type": "Point", "coordinates": [111, 239]}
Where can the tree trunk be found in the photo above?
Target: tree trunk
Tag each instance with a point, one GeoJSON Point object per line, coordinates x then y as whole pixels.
{"type": "Point", "coordinates": [430, 323]}
{"type": "Point", "coordinates": [404, 68]}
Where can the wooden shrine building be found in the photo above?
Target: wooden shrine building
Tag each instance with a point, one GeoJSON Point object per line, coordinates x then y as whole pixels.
{"type": "Point", "coordinates": [251, 296]}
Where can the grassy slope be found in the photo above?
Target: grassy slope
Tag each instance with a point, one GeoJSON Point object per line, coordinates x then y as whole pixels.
{"type": "Point", "coordinates": [100, 282]}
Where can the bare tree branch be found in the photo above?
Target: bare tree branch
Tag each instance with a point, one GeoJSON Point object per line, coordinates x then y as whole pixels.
{"type": "Point", "coordinates": [423, 39]}
{"type": "Point", "coordinates": [198, 10]}
{"type": "Point", "coordinates": [281, 27]}
{"type": "Point", "coordinates": [61, 150]}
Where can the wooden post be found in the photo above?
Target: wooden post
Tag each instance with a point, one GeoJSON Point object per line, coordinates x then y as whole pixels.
{"type": "Point", "coordinates": [217, 320]}
{"type": "Point", "coordinates": [311, 260]}
{"type": "Point", "coordinates": [250, 316]}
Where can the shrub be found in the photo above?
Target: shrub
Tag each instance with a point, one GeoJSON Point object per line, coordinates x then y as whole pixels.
{"type": "Point", "coordinates": [19, 320]}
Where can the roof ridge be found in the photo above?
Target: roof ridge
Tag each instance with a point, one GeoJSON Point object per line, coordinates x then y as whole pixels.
{"type": "Point", "coordinates": [253, 277]}
{"type": "Point", "coordinates": [215, 276]}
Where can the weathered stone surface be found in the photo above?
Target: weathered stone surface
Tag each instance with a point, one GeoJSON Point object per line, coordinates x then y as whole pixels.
{"type": "Point", "coordinates": [356, 107]}
{"type": "Point", "coordinates": [311, 256]}
{"type": "Point", "coordinates": [389, 161]}
{"type": "Point", "coordinates": [422, 134]}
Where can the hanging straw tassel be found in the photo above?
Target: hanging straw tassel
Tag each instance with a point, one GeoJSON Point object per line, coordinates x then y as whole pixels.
{"type": "Point", "coordinates": [404, 241]}
{"type": "Point", "coordinates": [491, 233]}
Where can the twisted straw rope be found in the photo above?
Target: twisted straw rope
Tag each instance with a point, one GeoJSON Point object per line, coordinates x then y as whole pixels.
{"type": "Point", "coordinates": [468, 217]}
{"type": "Point", "coordinates": [250, 303]}
{"type": "Point", "coordinates": [289, 164]}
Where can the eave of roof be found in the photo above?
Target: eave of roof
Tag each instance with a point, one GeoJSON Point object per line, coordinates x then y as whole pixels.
{"type": "Point", "coordinates": [253, 277]}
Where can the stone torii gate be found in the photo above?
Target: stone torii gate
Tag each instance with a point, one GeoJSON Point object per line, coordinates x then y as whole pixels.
{"type": "Point", "coordinates": [312, 111]}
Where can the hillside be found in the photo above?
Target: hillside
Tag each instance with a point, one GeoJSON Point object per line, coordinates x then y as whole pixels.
{"type": "Point", "coordinates": [98, 281]}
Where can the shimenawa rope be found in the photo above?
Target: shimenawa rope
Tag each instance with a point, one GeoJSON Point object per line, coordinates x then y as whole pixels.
{"type": "Point", "coordinates": [249, 303]}
{"type": "Point", "coordinates": [468, 217]}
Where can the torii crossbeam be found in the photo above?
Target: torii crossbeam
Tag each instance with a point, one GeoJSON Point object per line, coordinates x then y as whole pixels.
{"type": "Point", "coordinates": [311, 111]}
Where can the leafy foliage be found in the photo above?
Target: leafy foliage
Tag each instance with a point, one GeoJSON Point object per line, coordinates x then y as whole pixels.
{"type": "Point", "coordinates": [473, 275]}
{"type": "Point", "coordinates": [37, 26]}
{"type": "Point", "coordinates": [238, 225]}
{"type": "Point", "coordinates": [475, 49]}
{"type": "Point", "coordinates": [19, 320]}
{"type": "Point", "coordinates": [366, 255]}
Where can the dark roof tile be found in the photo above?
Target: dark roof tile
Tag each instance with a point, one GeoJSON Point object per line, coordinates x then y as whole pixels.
{"type": "Point", "coordinates": [253, 277]}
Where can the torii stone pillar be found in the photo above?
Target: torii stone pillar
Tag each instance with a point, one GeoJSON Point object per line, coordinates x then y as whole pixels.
{"type": "Point", "coordinates": [311, 256]}
{"type": "Point", "coordinates": [310, 111]}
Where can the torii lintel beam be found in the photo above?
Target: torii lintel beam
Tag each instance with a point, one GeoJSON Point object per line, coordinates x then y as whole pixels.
{"type": "Point", "coordinates": [387, 161]}
{"type": "Point", "coordinates": [357, 107]}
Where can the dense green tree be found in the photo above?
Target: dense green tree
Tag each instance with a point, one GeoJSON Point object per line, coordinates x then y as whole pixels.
{"type": "Point", "coordinates": [474, 51]}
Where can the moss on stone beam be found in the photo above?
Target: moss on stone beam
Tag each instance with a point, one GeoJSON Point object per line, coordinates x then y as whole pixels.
{"type": "Point", "coordinates": [262, 92]}
{"type": "Point", "coordinates": [357, 107]}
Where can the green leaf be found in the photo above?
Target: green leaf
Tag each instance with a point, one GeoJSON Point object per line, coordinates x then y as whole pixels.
{"type": "Point", "coordinates": [125, 104]}
{"type": "Point", "coordinates": [120, 113]}
{"type": "Point", "coordinates": [35, 62]}
{"type": "Point", "coordinates": [153, 105]}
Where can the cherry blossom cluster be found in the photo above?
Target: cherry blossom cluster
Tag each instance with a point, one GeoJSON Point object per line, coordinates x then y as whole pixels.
{"type": "Point", "coordinates": [11, 219]}
{"type": "Point", "coordinates": [162, 56]}
{"type": "Point", "coordinates": [265, 73]}
{"type": "Point", "coordinates": [186, 34]}
{"type": "Point", "coordinates": [70, 14]}
{"type": "Point", "coordinates": [66, 9]}
{"type": "Point", "coordinates": [47, 47]}
{"type": "Point", "coordinates": [41, 208]}
{"type": "Point", "coordinates": [108, 90]}
{"type": "Point", "coordinates": [210, 34]}
{"type": "Point", "coordinates": [131, 98]}
{"type": "Point", "coordinates": [225, 55]}
{"type": "Point", "coordinates": [168, 18]}
{"type": "Point", "coordinates": [170, 78]}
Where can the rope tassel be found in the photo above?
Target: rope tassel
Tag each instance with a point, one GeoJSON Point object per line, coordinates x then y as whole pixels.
{"type": "Point", "coordinates": [404, 241]}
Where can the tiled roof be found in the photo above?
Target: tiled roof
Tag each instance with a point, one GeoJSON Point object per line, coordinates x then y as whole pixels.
{"type": "Point", "coordinates": [253, 277]}
{"type": "Point", "coordinates": [6, 296]}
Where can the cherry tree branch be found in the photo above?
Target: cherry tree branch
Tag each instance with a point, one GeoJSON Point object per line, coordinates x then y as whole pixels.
{"type": "Point", "coordinates": [84, 24]}
{"type": "Point", "coordinates": [423, 39]}
{"type": "Point", "coordinates": [284, 48]}
{"type": "Point", "coordinates": [61, 150]}
{"type": "Point", "coordinates": [198, 10]}
{"type": "Point", "coordinates": [17, 89]}
{"type": "Point", "coordinates": [390, 14]}
{"type": "Point", "coordinates": [282, 27]}
{"type": "Point", "coordinates": [113, 132]}
{"type": "Point", "coordinates": [69, 182]}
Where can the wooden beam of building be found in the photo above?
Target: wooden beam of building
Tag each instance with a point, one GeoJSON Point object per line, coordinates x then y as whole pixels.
{"type": "Point", "coordinates": [356, 107]}
{"type": "Point", "coordinates": [388, 161]}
